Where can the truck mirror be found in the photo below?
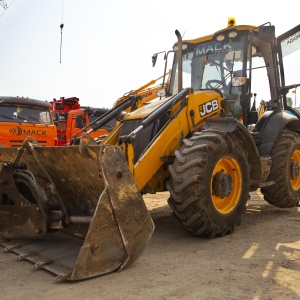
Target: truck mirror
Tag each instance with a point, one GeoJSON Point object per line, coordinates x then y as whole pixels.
{"type": "Point", "coordinates": [55, 118]}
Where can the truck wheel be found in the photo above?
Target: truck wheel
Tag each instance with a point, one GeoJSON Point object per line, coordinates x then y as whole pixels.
{"type": "Point", "coordinates": [285, 171]}
{"type": "Point", "coordinates": [209, 183]}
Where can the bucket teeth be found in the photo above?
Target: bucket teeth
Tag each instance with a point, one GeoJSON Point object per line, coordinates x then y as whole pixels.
{"type": "Point", "coordinates": [24, 256]}
{"type": "Point", "coordinates": [41, 264]}
{"type": "Point", "coordinates": [11, 248]}
{"type": "Point", "coordinates": [61, 278]}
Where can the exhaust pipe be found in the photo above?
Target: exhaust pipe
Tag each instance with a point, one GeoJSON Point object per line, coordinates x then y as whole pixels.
{"type": "Point", "coordinates": [179, 58]}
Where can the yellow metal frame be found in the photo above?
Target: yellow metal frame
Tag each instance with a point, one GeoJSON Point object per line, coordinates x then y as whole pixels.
{"type": "Point", "coordinates": [148, 170]}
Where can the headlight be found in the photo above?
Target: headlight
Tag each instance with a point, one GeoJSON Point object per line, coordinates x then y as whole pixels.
{"type": "Point", "coordinates": [220, 38]}
{"type": "Point", "coordinates": [232, 34]}
{"type": "Point", "coordinates": [225, 35]}
{"type": "Point", "coordinates": [184, 46]}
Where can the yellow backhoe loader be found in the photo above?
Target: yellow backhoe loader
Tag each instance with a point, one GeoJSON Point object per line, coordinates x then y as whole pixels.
{"type": "Point", "coordinates": [78, 211]}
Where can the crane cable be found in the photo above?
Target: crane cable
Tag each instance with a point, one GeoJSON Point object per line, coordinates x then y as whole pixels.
{"type": "Point", "coordinates": [61, 28]}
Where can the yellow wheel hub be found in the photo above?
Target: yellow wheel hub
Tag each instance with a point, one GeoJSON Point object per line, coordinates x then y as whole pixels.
{"type": "Point", "coordinates": [294, 170]}
{"type": "Point", "coordinates": [226, 185]}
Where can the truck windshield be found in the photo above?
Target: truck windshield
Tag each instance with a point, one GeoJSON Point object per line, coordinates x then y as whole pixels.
{"type": "Point", "coordinates": [24, 114]}
{"type": "Point", "coordinates": [210, 64]}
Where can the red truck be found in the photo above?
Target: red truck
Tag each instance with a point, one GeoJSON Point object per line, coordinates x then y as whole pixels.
{"type": "Point", "coordinates": [70, 118]}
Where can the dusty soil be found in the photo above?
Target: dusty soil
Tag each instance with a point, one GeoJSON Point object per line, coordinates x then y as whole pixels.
{"type": "Point", "coordinates": [260, 260]}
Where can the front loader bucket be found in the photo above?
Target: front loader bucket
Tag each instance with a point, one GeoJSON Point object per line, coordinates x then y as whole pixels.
{"type": "Point", "coordinates": [74, 211]}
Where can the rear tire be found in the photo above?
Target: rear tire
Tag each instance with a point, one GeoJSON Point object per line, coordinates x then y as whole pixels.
{"type": "Point", "coordinates": [284, 171]}
{"type": "Point", "coordinates": [209, 184]}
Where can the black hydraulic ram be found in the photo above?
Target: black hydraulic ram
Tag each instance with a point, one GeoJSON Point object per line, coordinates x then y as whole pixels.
{"type": "Point", "coordinates": [160, 111]}
{"type": "Point", "coordinates": [108, 116]}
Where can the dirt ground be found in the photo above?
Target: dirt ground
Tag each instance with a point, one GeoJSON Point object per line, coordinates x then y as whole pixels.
{"type": "Point", "coordinates": [260, 260]}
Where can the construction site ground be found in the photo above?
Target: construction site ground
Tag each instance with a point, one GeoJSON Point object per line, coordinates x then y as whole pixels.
{"type": "Point", "coordinates": [259, 260]}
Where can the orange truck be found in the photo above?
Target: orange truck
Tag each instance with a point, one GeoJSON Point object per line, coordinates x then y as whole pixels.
{"type": "Point", "coordinates": [71, 118]}
{"type": "Point", "coordinates": [23, 117]}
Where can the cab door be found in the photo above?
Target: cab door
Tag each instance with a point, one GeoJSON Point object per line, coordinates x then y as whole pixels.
{"type": "Point", "coordinates": [289, 58]}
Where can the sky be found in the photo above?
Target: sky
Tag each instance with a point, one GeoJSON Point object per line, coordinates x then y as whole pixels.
{"type": "Point", "coordinates": [107, 45]}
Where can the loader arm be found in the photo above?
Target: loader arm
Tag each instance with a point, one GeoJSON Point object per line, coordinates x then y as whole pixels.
{"type": "Point", "coordinates": [183, 117]}
{"type": "Point", "coordinates": [106, 117]}
{"type": "Point", "coordinates": [129, 102]}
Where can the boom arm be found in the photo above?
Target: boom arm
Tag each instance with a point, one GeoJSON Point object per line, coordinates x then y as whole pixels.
{"type": "Point", "coordinates": [133, 100]}
{"type": "Point", "coordinates": [145, 92]}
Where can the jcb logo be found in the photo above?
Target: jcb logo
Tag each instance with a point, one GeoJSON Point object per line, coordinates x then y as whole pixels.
{"type": "Point", "coordinates": [208, 107]}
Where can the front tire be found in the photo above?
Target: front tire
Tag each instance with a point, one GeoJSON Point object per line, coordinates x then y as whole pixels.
{"type": "Point", "coordinates": [209, 184]}
{"type": "Point", "coordinates": [284, 171]}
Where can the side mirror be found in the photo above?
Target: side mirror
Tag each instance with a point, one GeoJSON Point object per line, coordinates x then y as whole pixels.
{"type": "Point", "coordinates": [154, 59]}
{"type": "Point", "coordinates": [267, 33]}
{"type": "Point", "coordinates": [55, 118]}
{"type": "Point", "coordinates": [161, 92]}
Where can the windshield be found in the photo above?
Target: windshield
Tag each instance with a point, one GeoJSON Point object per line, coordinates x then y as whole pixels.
{"type": "Point", "coordinates": [24, 114]}
{"type": "Point", "coordinates": [210, 65]}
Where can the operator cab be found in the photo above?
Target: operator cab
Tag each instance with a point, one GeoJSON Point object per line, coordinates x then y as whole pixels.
{"type": "Point", "coordinates": [238, 62]}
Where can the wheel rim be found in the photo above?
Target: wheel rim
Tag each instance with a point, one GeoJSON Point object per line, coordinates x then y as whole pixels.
{"type": "Point", "coordinates": [294, 167]}
{"type": "Point", "coordinates": [229, 171]}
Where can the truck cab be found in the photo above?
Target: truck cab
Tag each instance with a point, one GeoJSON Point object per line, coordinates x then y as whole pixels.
{"type": "Point", "coordinates": [23, 117]}
{"type": "Point", "coordinates": [72, 119]}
